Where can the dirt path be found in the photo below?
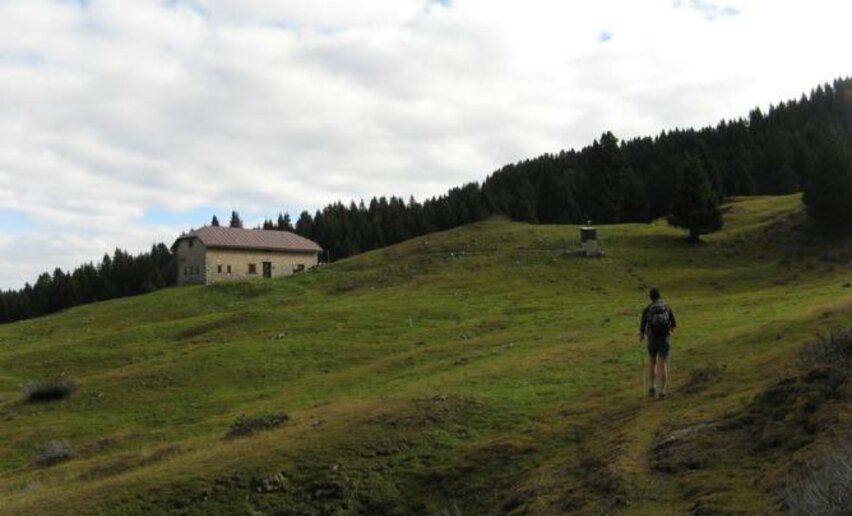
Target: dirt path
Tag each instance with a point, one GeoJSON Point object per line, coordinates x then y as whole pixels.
{"type": "Point", "coordinates": [659, 492]}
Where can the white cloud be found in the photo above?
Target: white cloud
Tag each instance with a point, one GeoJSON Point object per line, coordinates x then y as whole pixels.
{"type": "Point", "coordinates": [113, 109]}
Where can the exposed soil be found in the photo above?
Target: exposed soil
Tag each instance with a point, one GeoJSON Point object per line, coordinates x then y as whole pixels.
{"type": "Point", "coordinates": [781, 423]}
{"type": "Point", "coordinates": [785, 417]}
{"type": "Point", "coordinates": [701, 378]}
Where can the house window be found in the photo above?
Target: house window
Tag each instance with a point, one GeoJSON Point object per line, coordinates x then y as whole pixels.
{"type": "Point", "coordinates": [191, 241]}
{"type": "Point", "coordinates": [219, 269]}
{"type": "Point", "coordinates": [186, 271]}
{"type": "Point", "coordinates": [229, 269]}
{"type": "Point", "coordinates": [299, 267]}
{"type": "Point", "coordinates": [252, 268]}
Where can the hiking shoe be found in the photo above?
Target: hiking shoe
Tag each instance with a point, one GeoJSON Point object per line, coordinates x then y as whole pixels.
{"type": "Point", "coordinates": [651, 392]}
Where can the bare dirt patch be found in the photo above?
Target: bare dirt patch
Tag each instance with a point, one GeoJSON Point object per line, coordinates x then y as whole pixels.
{"type": "Point", "coordinates": [785, 417]}
{"type": "Point", "coordinates": [701, 378]}
{"type": "Point", "coordinates": [782, 424]}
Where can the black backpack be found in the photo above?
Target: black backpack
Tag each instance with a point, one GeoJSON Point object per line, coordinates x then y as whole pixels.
{"type": "Point", "coordinates": [659, 322]}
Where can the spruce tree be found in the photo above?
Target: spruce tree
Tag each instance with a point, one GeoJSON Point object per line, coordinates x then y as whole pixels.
{"type": "Point", "coordinates": [304, 226]}
{"type": "Point", "coordinates": [284, 223]}
{"type": "Point", "coordinates": [215, 221]}
{"type": "Point", "coordinates": [696, 205]}
{"type": "Point", "coordinates": [606, 174]}
{"type": "Point", "coordinates": [556, 204]}
{"type": "Point", "coordinates": [828, 192]}
{"type": "Point", "coordinates": [775, 168]}
{"type": "Point", "coordinates": [738, 180]}
{"type": "Point", "coordinates": [661, 186]}
{"type": "Point", "coordinates": [634, 201]}
{"type": "Point", "coordinates": [236, 221]}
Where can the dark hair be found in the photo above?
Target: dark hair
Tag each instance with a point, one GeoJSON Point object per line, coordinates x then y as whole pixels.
{"type": "Point", "coordinates": [655, 294]}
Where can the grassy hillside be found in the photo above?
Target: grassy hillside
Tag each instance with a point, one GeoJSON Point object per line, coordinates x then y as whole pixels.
{"type": "Point", "coordinates": [483, 369]}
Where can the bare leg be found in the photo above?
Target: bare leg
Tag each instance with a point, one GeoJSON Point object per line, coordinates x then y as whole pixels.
{"type": "Point", "coordinates": [649, 374]}
{"type": "Point", "coordinates": [663, 373]}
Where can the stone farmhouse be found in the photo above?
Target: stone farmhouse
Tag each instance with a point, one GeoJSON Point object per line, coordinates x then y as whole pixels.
{"type": "Point", "coordinates": [213, 254]}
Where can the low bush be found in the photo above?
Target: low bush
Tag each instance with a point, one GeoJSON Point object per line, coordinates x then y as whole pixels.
{"type": "Point", "coordinates": [824, 487]}
{"type": "Point", "coordinates": [244, 426]}
{"type": "Point", "coordinates": [52, 453]}
{"type": "Point", "coordinates": [48, 390]}
{"type": "Point", "coordinates": [828, 349]}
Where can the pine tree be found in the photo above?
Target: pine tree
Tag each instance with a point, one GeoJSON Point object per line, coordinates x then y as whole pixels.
{"type": "Point", "coordinates": [775, 172]}
{"type": "Point", "coordinates": [305, 224]}
{"type": "Point", "coordinates": [556, 203]}
{"type": "Point", "coordinates": [828, 192]}
{"type": "Point", "coordinates": [236, 221]}
{"type": "Point", "coordinates": [284, 223]}
{"type": "Point", "coordinates": [523, 204]}
{"type": "Point", "coordinates": [696, 205]}
{"type": "Point", "coordinates": [738, 180]}
{"type": "Point", "coordinates": [660, 188]}
{"type": "Point", "coordinates": [634, 201]}
{"type": "Point", "coordinates": [215, 221]}
{"type": "Point", "coordinates": [607, 168]}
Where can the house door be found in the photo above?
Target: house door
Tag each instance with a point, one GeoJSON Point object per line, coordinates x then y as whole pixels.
{"type": "Point", "coordinates": [267, 269]}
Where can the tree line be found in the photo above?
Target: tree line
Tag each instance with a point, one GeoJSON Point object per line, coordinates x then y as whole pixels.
{"type": "Point", "coordinates": [119, 275]}
{"type": "Point", "coordinates": [799, 145]}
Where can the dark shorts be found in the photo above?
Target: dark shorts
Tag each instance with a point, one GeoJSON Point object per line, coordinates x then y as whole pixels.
{"type": "Point", "coordinates": [658, 347]}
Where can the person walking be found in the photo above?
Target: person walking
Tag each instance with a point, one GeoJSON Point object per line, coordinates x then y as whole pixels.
{"type": "Point", "coordinates": [658, 322]}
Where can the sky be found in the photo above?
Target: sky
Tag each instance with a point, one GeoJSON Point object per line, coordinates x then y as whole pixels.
{"type": "Point", "coordinates": [125, 122]}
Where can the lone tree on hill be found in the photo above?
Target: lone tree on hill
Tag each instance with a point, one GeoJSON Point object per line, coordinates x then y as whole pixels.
{"type": "Point", "coordinates": [236, 221]}
{"type": "Point", "coordinates": [696, 205]}
{"type": "Point", "coordinates": [828, 191]}
{"type": "Point", "coordinates": [215, 221]}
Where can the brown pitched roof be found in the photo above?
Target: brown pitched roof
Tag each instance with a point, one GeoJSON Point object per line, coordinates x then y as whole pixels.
{"type": "Point", "coordinates": [261, 239]}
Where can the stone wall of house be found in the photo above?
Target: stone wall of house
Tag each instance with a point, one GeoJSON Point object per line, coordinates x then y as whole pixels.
{"type": "Point", "coordinates": [191, 262]}
{"type": "Point", "coordinates": [231, 264]}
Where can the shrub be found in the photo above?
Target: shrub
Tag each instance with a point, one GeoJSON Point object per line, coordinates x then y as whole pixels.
{"type": "Point", "coordinates": [244, 426]}
{"type": "Point", "coordinates": [824, 487]}
{"type": "Point", "coordinates": [48, 390]}
{"type": "Point", "coordinates": [831, 348]}
{"type": "Point", "coordinates": [52, 453]}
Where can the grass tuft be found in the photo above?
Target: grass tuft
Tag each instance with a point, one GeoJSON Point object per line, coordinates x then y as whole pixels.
{"type": "Point", "coordinates": [53, 452]}
{"type": "Point", "coordinates": [245, 426]}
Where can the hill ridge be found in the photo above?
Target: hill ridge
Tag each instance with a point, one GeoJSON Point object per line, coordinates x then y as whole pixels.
{"type": "Point", "coordinates": [418, 378]}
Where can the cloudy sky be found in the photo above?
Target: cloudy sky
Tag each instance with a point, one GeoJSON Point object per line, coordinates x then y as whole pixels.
{"type": "Point", "coordinates": [123, 122]}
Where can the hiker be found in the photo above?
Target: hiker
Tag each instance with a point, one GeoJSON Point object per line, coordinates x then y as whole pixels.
{"type": "Point", "coordinates": [658, 321]}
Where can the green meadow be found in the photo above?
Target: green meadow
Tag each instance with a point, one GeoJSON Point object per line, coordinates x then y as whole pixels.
{"type": "Point", "coordinates": [490, 369]}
